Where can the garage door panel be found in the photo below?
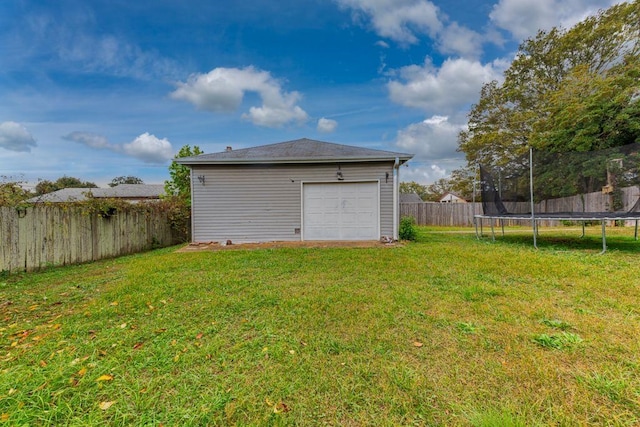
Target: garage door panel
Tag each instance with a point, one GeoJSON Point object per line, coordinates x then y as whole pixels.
{"type": "Point", "coordinates": [350, 218]}
{"type": "Point", "coordinates": [341, 211]}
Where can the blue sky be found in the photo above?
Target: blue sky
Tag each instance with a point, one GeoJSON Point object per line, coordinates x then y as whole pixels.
{"type": "Point", "coordinates": [98, 89]}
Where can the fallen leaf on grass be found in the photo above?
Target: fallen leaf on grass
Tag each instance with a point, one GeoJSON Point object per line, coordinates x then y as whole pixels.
{"type": "Point", "coordinates": [417, 344]}
{"type": "Point", "coordinates": [4, 417]}
{"type": "Point", "coordinates": [82, 371]}
{"type": "Point", "coordinates": [124, 325]}
{"type": "Point", "coordinates": [137, 346]}
{"type": "Point", "coordinates": [114, 303]}
{"type": "Point", "coordinates": [281, 407]}
{"type": "Point", "coordinates": [199, 336]}
{"type": "Point", "coordinates": [105, 377]}
{"type": "Point", "coordinates": [43, 364]}
{"type": "Point", "coordinates": [106, 405]}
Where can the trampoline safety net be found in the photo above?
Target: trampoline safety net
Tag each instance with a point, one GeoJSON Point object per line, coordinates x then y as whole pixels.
{"type": "Point", "coordinates": [578, 184]}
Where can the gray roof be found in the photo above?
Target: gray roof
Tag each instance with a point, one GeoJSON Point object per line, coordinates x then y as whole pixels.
{"type": "Point", "coordinates": [64, 195]}
{"type": "Point", "coordinates": [132, 191]}
{"type": "Point", "coordinates": [122, 191]}
{"type": "Point", "coordinates": [410, 198]}
{"type": "Point", "coordinates": [297, 151]}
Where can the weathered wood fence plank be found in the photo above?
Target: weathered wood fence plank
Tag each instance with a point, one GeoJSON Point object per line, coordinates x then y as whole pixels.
{"type": "Point", "coordinates": [40, 236]}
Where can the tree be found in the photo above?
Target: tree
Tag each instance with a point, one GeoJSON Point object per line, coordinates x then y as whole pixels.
{"type": "Point", "coordinates": [125, 180]}
{"type": "Point", "coordinates": [45, 186]}
{"type": "Point", "coordinates": [439, 189]}
{"type": "Point", "coordinates": [592, 111]}
{"type": "Point", "coordinates": [414, 187]}
{"type": "Point", "coordinates": [462, 181]}
{"type": "Point", "coordinates": [12, 193]}
{"type": "Point", "coordinates": [180, 183]}
{"type": "Point", "coordinates": [566, 89]}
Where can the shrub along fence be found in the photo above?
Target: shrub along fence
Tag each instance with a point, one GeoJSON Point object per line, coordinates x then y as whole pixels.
{"type": "Point", "coordinates": [39, 236]}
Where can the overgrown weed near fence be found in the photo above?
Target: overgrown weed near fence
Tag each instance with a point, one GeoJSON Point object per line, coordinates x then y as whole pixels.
{"type": "Point", "coordinates": [39, 235]}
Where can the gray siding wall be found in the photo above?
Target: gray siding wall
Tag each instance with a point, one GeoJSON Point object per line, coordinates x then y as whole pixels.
{"type": "Point", "coordinates": [261, 203]}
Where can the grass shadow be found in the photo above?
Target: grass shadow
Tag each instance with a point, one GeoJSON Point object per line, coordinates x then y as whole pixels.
{"type": "Point", "coordinates": [568, 241]}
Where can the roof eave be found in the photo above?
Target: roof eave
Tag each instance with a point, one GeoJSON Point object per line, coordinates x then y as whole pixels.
{"type": "Point", "coordinates": [402, 158]}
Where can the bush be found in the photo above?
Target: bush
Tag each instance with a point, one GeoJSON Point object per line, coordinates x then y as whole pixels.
{"type": "Point", "coordinates": [408, 228]}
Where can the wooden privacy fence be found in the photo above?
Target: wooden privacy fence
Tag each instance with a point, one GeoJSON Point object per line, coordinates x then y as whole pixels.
{"type": "Point", "coordinates": [461, 214]}
{"type": "Point", "coordinates": [40, 236]}
{"type": "Point", "coordinates": [441, 214]}
{"type": "Point", "coordinates": [447, 214]}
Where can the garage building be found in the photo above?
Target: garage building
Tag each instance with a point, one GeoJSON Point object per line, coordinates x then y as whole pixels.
{"type": "Point", "coordinates": [295, 190]}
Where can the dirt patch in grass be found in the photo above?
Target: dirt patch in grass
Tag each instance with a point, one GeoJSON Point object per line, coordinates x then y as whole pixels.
{"type": "Point", "coordinates": [217, 246]}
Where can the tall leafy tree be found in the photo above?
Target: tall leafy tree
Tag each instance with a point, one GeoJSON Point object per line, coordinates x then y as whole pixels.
{"type": "Point", "coordinates": [566, 89]}
{"type": "Point", "coordinates": [462, 181]}
{"type": "Point", "coordinates": [46, 186]}
{"type": "Point", "coordinates": [180, 183]}
{"type": "Point", "coordinates": [414, 187]}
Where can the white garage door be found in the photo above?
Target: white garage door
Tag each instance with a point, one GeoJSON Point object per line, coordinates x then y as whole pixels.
{"type": "Point", "coordinates": [341, 211]}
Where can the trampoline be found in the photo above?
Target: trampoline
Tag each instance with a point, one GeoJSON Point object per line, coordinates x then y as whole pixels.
{"type": "Point", "coordinates": [579, 187]}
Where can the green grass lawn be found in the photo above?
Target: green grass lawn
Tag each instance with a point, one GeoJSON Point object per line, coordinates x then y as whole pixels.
{"type": "Point", "coordinates": [448, 330]}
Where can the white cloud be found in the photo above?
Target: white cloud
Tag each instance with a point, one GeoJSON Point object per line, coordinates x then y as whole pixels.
{"type": "Point", "coordinates": [455, 39]}
{"type": "Point", "coordinates": [398, 20]}
{"type": "Point", "coordinates": [425, 173]}
{"type": "Point", "coordinates": [405, 21]}
{"type": "Point", "coordinates": [523, 18]}
{"type": "Point", "coordinates": [149, 149]}
{"type": "Point", "coordinates": [327, 125]}
{"type": "Point", "coordinates": [454, 85]}
{"type": "Point", "coordinates": [223, 89]}
{"type": "Point", "coordinates": [89, 139]}
{"type": "Point", "coordinates": [146, 147]}
{"type": "Point", "coordinates": [70, 41]}
{"type": "Point", "coordinates": [15, 137]}
{"type": "Point", "coordinates": [433, 138]}
{"type": "Point", "coordinates": [434, 143]}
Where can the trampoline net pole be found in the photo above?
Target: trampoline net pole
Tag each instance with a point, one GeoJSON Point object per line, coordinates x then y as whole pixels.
{"type": "Point", "coordinates": [533, 214]}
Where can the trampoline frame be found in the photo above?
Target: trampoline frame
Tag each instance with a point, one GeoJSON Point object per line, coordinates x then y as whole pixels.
{"type": "Point", "coordinates": [560, 216]}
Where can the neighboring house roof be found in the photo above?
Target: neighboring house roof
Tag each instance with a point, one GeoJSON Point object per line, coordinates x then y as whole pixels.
{"type": "Point", "coordinates": [64, 195]}
{"type": "Point", "coordinates": [297, 151]}
{"type": "Point", "coordinates": [410, 198]}
{"type": "Point", "coordinates": [122, 191]}
{"type": "Point", "coordinates": [132, 191]}
{"type": "Point", "coordinates": [450, 197]}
